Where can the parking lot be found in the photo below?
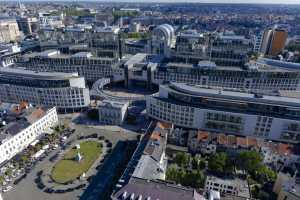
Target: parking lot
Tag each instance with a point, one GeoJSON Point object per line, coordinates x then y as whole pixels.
{"type": "Point", "coordinates": [27, 189]}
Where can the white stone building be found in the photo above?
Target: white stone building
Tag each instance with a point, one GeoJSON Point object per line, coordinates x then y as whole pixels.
{"type": "Point", "coordinates": [112, 113]}
{"type": "Point", "coordinates": [234, 187]}
{"type": "Point", "coordinates": [9, 30]}
{"type": "Point", "coordinates": [23, 126]}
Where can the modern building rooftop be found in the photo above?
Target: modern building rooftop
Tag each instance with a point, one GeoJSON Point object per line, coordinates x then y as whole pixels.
{"type": "Point", "coordinates": [149, 189]}
{"type": "Point", "coordinates": [241, 186]}
{"type": "Point", "coordinates": [192, 90]}
{"type": "Point", "coordinates": [56, 54]}
{"type": "Point", "coordinates": [4, 71]}
{"type": "Point", "coordinates": [109, 29]}
{"type": "Point", "coordinates": [15, 118]}
{"type": "Point", "coordinates": [148, 159]}
{"type": "Point", "coordinates": [152, 164]}
{"type": "Point", "coordinates": [114, 104]}
{"type": "Point", "coordinates": [278, 63]}
{"type": "Point", "coordinates": [250, 67]}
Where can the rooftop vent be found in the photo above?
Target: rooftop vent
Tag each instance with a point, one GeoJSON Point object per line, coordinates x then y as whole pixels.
{"type": "Point", "coordinates": [124, 195]}
{"type": "Point", "coordinates": [132, 196]}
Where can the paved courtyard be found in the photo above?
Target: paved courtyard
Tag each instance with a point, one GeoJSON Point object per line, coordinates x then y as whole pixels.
{"type": "Point", "coordinates": [27, 188]}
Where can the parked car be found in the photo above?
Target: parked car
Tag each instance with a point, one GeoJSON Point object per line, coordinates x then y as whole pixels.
{"type": "Point", "coordinates": [49, 190]}
{"type": "Point", "coordinates": [6, 189]}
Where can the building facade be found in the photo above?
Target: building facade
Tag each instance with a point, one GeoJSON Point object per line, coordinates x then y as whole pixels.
{"type": "Point", "coordinates": [9, 30]}
{"type": "Point", "coordinates": [273, 41]}
{"type": "Point", "coordinates": [269, 117]}
{"type": "Point", "coordinates": [66, 91]}
{"type": "Point", "coordinates": [112, 113]}
{"type": "Point", "coordinates": [90, 67]}
{"type": "Point", "coordinates": [236, 187]}
{"type": "Point", "coordinates": [31, 125]}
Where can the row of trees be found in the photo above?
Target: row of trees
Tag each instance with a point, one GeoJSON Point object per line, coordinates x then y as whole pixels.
{"type": "Point", "coordinates": [193, 178]}
{"type": "Point", "coordinates": [185, 160]}
{"type": "Point", "coordinates": [248, 161]}
{"type": "Point", "coordinates": [187, 170]}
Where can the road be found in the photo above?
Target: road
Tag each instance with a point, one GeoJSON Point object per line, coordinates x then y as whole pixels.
{"type": "Point", "coordinates": [27, 189]}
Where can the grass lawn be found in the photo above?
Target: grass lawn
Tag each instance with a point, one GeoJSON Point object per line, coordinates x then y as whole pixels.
{"type": "Point", "coordinates": [67, 169]}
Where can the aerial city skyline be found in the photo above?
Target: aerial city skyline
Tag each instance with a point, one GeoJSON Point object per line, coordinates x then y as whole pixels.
{"type": "Point", "coordinates": [152, 100]}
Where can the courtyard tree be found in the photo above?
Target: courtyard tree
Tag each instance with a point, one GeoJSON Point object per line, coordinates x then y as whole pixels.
{"type": "Point", "coordinates": [182, 159]}
{"type": "Point", "coordinates": [264, 175]}
{"type": "Point", "coordinates": [249, 161]}
{"type": "Point", "coordinates": [217, 162]}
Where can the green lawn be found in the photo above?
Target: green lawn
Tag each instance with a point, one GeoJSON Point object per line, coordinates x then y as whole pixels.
{"type": "Point", "coordinates": [67, 169]}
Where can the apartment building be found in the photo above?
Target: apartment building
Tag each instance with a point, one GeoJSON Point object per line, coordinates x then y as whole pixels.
{"type": "Point", "coordinates": [144, 175]}
{"type": "Point", "coordinates": [191, 47]}
{"type": "Point", "coordinates": [228, 49]}
{"type": "Point", "coordinates": [287, 187]}
{"type": "Point", "coordinates": [112, 113]}
{"type": "Point", "coordinates": [28, 25]}
{"type": "Point", "coordinates": [273, 41]}
{"type": "Point", "coordinates": [84, 63]}
{"type": "Point", "coordinates": [9, 30]}
{"type": "Point", "coordinates": [66, 91]}
{"type": "Point", "coordinates": [227, 186]}
{"type": "Point", "coordinates": [23, 125]}
{"type": "Point", "coordinates": [106, 42]}
{"type": "Point", "coordinates": [237, 113]}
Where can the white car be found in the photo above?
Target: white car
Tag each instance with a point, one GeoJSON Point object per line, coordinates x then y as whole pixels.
{"type": "Point", "coordinates": [6, 189]}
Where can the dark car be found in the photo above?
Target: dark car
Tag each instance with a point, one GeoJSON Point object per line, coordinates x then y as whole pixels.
{"type": "Point", "coordinates": [69, 189]}
{"type": "Point", "coordinates": [109, 144]}
{"type": "Point", "coordinates": [80, 186]}
{"type": "Point", "coordinates": [49, 190]}
{"type": "Point", "coordinates": [41, 186]}
{"type": "Point", "coordinates": [59, 191]}
{"type": "Point", "coordinates": [101, 137]}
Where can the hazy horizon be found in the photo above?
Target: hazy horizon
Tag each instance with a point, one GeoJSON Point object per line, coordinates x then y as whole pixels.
{"type": "Point", "coordinates": [184, 1]}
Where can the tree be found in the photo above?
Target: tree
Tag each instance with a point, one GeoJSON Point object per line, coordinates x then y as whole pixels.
{"type": "Point", "coordinates": [175, 174]}
{"type": "Point", "coordinates": [249, 161]}
{"type": "Point", "coordinates": [293, 47]}
{"type": "Point", "coordinates": [171, 173]}
{"type": "Point", "coordinates": [264, 175]}
{"type": "Point", "coordinates": [195, 163]}
{"type": "Point", "coordinates": [217, 162]}
{"type": "Point", "coordinates": [263, 195]}
{"type": "Point", "coordinates": [181, 159]}
{"type": "Point", "coordinates": [8, 172]}
{"type": "Point", "coordinates": [201, 165]}
{"type": "Point", "coordinates": [193, 179]}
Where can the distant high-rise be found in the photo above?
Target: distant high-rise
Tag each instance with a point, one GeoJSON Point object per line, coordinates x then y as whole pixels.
{"type": "Point", "coordinates": [273, 41]}
{"type": "Point", "coordinates": [9, 30]}
{"type": "Point", "coordinates": [28, 25]}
